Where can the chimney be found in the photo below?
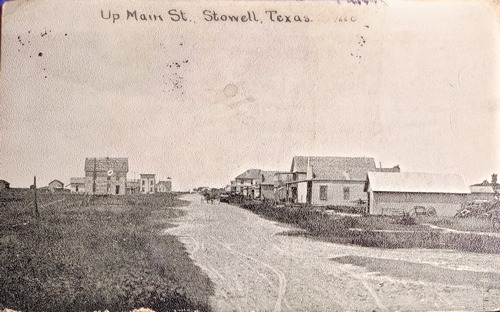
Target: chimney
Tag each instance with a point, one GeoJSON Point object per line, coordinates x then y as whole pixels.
{"type": "Point", "coordinates": [494, 178]}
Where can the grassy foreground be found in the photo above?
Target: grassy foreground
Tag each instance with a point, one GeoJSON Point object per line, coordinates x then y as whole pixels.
{"type": "Point", "coordinates": [108, 254]}
{"type": "Point", "coordinates": [376, 231]}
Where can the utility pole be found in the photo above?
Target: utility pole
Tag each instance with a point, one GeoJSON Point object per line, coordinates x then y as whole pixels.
{"type": "Point", "coordinates": [36, 214]}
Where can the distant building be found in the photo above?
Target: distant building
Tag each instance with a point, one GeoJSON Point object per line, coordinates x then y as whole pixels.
{"type": "Point", "coordinates": [281, 180]}
{"type": "Point", "coordinates": [233, 186]}
{"type": "Point", "coordinates": [4, 185]}
{"type": "Point", "coordinates": [248, 183]}
{"type": "Point", "coordinates": [56, 185]}
{"type": "Point", "coordinates": [148, 182]}
{"type": "Point", "coordinates": [485, 191]}
{"type": "Point", "coordinates": [254, 183]}
{"type": "Point", "coordinates": [77, 185]}
{"type": "Point", "coordinates": [133, 186]}
{"type": "Point", "coordinates": [164, 186]}
{"type": "Point", "coordinates": [267, 184]}
{"type": "Point", "coordinates": [397, 193]}
{"type": "Point", "coordinates": [106, 175]}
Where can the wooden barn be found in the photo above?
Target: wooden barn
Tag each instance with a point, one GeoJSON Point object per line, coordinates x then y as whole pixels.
{"type": "Point", "coordinates": [106, 175]}
{"type": "Point", "coordinates": [411, 192]}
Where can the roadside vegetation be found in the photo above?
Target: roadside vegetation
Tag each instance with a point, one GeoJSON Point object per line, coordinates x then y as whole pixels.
{"type": "Point", "coordinates": [380, 231]}
{"type": "Point", "coordinates": [104, 254]}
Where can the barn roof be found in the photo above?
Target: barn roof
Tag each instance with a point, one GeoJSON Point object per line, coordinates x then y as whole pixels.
{"type": "Point", "coordinates": [77, 180]}
{"type": "Point", "coordinates": [335, 168]}
{"type": "Point", "coordinates": [417, 182]}
{"type": "Point", "coordinates": [106, 163]}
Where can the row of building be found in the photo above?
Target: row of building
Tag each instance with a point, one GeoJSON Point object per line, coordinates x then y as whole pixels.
{"type": "Point", "coordinates": [355, 181]}
{"type": "Point", "coordinates": [108, 176]}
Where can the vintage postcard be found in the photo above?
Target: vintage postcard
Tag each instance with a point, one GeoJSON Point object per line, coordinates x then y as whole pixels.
{"type": "Point", "coordinates": [249, 155]}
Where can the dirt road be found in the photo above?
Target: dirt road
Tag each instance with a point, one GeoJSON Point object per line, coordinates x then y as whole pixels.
{"type": "Point", "coordinates": [255, 268]}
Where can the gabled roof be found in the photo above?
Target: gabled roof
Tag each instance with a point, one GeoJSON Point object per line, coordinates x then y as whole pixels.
{"type": "Point", "coordinates": [416, 182]}
{"type": "Point", "coordinates": [77, 180]}
{"type": "Point", "coordinates": [4, 182]}
{"type": "Point", "coordinates": [56, 181]}
{"type": "Point", "coordinates": [335, 168]}
{"type": "Point", "coordinates": [106, 163]}
{"type": "Point", "coordinates": [250, 174]}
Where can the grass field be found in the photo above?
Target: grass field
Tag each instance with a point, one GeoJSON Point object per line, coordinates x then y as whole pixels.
{"type": "Point", "coordinates": [379, 231]}
{"type": "Point", "coordinates": [107, 254]}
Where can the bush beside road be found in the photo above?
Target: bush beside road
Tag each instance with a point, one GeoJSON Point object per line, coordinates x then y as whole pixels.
{"type": "Point", "coordinates": [379, 231]}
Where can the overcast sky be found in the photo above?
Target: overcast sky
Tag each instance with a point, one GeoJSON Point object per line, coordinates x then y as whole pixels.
{"type": "Point", "coordinates": [414, 84]}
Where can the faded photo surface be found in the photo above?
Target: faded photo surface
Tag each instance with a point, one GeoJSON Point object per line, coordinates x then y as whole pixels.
{"type": "Point", "coordinates": [336, 155]}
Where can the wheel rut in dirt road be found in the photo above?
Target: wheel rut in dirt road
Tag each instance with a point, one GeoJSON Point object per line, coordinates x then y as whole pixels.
{"type": "Point", "coordinates": [254, 268]}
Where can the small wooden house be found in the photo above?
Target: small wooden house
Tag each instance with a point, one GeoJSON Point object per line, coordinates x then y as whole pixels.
{"type": "Point", "coordinates": [329, 180]}
{"type": "Point", "coordinates": [248, 183]}
{"type": "Point", "coordinates": [56, 185]}
{"type": "Point", "coordinates": [133, 186]}
{"type": "Point", "coordinates": [77, 185]}
{"type": "Point", "coordinates": [164, 186]}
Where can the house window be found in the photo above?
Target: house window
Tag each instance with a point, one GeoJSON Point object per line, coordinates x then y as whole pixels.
{"type": "Point", "coordinates": [323, 192]}
{"type": "Point", "coordinates": [346, 193]}
{"type": "Point", "coordinates": [143, 182]}
{"type": "Point", "coordinates": [142, 190]}
{"type": "Point", "coordinates": [76, 188]}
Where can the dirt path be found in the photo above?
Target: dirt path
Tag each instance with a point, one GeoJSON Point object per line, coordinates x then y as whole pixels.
{"type": "Point", "coordinates": [461, 232]}
{"type": "Point", "coordinates": [253, 268]}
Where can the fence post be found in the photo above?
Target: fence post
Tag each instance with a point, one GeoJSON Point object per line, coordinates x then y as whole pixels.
{"type": "Point", "coordinates": [36, 214]}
